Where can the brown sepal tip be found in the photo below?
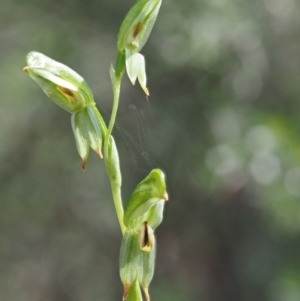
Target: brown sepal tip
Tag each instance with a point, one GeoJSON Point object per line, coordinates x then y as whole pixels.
{"type": "Point", "coordinates": [165, 196]}
{"type": "Point", "coordinates": [83, 164]}
{"type": "Point", "coordinates": [25, 69]}
{"type": "Point", "coordinates": [126, 291]}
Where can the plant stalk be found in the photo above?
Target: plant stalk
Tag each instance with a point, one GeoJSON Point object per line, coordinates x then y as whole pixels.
{"type": "Point", "coordinates": [115, 184]}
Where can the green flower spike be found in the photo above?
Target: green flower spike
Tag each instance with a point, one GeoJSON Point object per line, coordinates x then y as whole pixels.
{"type": "Point", "coordinates": [69, 91]}
{"type": "Point", "coordinates": [134, 33]}
{"type": "Point", "coordinates": [143, 214]}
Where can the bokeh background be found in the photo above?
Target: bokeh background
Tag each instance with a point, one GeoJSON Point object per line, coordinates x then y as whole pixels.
{"type": "Point", "coordinates": [222, 121]}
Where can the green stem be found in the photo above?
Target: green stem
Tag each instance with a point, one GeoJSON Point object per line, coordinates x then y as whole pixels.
{"type": "Point", "coordinates": [111, 155]}
{"type": "Point", "coordinates": [116, 91]}
{"type": "Point", "coordinates": [110, 161]}
{"type": "Point", "coordinates": [116, 84]}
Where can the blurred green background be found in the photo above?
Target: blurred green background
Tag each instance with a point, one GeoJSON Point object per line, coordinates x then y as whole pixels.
{"type": "Point", "coordinates": [222, 121]}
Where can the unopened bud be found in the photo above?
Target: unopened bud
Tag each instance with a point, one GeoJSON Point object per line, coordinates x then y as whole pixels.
{"type": "Point", "coordinates": [136, 265]}
{"type": "Point", "coordinates": [87, 131]}
{"type": "Point", "coordinates": [130, 260]}
{"type": "Point", "coordinates": [148, 193]}
{"type": "Point", "coordinates": [134, 33]}
{"type": "Point", "coordinates": [69, 90]}
{"type": "Point", "coordinates": [137, 24]}
{"type": "Point", "coordinates": [143, 213]}
{"type": "Point", "coordinates": [62, 84]}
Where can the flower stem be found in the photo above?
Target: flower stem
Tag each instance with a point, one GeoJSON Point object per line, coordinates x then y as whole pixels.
{"type": "Point", "coordinates": [112, 161]}
{"type": "Point", "coordinates": [116, 91]}
{"type": "Point", "coordinates": [116, 84]}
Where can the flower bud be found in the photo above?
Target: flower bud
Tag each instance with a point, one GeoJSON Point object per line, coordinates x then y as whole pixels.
{"type": "Point", "coordinates": [62, 84]}
{"type": "Point", "coordinates": [130, 261]}
{"type": "Point", "coordinates": [148, 193]}
{"type": "Point", "coordinates": [137, 25]}
{"type": "Point", "coordinates": [143, 213]}
{"type": "Point", "coordinates": [69, 90]}
{"type": "Point", "coordinates": [136, 264]}
{"type": "Point", "coordinates": [87, 131]}
{"type": "Point", "coordinates": [134, 33]}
